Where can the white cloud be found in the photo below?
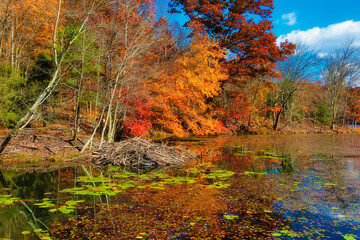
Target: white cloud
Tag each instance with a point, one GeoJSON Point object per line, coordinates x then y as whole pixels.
{"type": "Point", "coordinates": [289, 18]}
{"type": "Point", "coordinates": [327, 38]}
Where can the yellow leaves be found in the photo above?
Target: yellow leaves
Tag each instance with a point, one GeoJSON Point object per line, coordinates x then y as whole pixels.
{"type": "Point", "coordinates": [29, 22]}
{"type": "Point", "coordinates": [202, 71]}
{"type": "Point", "coordinates": [181, 96]}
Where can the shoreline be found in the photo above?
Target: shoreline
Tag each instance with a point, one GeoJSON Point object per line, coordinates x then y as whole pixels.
{"type": "Point", "coordinates": [51, 145]}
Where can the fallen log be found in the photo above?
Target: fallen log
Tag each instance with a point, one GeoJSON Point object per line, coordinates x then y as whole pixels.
{"type": "Point", "coordinates": [137, 152]}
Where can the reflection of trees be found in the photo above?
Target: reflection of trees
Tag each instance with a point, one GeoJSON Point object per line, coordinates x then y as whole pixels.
{"type": "Point", "coordinates": [299, 146]}
{"type": "Point", "coordinates": [244, 157]}
{"type": "Point", "coordinates": [11, 221]}
{"type": "Point", "coordinates": [287, 164]}
{"type": "Point", "coordinates": [16, 218]}
{"type": "Point", "coordinates": [27, 186]}
{"type": "Point", "coordinates": [184, 211]}
{"type": "Point", "coordinates": [33, 185]}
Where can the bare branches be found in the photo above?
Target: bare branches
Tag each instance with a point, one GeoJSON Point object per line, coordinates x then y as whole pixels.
{"type": "Point", "coordinates": [294, 71]}
{"type": "Point", "coordinates": [341, 70]}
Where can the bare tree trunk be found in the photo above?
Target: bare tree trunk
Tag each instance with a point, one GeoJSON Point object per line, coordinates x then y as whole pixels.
{"type": "Point", "coordinates": [89, 141]}
{"type": "Point", "coordinates": [78, 90]}
{"type": "Point", "coordinates": [97, 122]}
{"type": "Point", "coordinates": [277, 118]}
{"type": "Point", "coordinates": [12, 45]}
{"type": "Point", "coordinates": [333, 111]}
{"type": "Point", "coordinates": [114, 122]}
{"type": "Point", "coordinates": [54, 79]}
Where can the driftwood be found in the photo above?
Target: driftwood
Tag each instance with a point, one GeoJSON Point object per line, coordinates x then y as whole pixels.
{"type": "Point", "coordinates": [138, 153]}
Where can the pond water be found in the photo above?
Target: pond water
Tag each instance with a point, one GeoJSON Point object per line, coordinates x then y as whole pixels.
{"type": "Point", "coordinates": [248, 187]}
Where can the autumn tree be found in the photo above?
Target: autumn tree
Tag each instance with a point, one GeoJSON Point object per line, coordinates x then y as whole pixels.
{"type": "Point", "coordinates": [21, 39]}
{"type": "Point", "coordinates": [234, 104]}
{"type": "Point", "coordinates": [244, 29]}
{"type": "Point", "coordinates": [126, 34]}
{"type": "Point", "coordinates": [257, 89]}
{"type": "Point", "coordinates": [157, 62]}
{"type": "Point", "coordinates": [21, 36]}
{"type": "Point", "coordinates": [60, 47]}
{"type": "Point", "coordinates": [354, 106]}
{"type": "Point", "coordinates": [307, 105]}
{"type": "Point", "coordinates": [181, 98]}
{"type": "Point", "coordinates": [232, 24]}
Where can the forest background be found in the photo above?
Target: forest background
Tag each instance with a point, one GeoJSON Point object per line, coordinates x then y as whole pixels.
{"type": "Point", "coordinates": [112, 69]}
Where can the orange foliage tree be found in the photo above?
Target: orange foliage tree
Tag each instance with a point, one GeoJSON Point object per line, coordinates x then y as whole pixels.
{"type": "Point", "coordinates": [250, 42]}
{"type": "Point", "coordinates": [244, 29]}
{"type": "Point", "coordinates": [258, 91]}
{"type": "Point", "coordinates": [181, 97]}
{"type": "Point", "coordinates": [25, 29]}
{"type": "Point", "coordinates": [354, 108]}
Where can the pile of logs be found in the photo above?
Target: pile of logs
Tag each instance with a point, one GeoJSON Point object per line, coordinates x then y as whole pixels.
{"type": "Point", "coordinates": [137, 152]}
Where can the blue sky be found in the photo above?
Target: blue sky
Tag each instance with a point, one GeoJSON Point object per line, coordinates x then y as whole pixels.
{"type": "Point", "coordinates": [314, 13]}
{"type": "Point", "coordinates": [322, 24]}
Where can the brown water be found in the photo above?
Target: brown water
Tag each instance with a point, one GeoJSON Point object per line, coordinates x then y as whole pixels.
{"type": "Point", "coordinates": [247, 187]}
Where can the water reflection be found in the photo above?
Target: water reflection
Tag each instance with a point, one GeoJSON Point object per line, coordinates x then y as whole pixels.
{"type": "Point", "coordinates": [285, 187]}
{"type": "Point", "coordinates": [25, 188]}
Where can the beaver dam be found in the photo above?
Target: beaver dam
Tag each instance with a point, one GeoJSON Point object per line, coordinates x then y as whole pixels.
{"type": "Point", "coordinates": [137, 152]}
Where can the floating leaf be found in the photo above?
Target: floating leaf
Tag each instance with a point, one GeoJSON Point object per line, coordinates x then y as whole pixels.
{"type": "Point", "coordinates": [126, 185]}
{"type": "Point", "coordinates": [113, 169]}
{"type": "Point", "coordinates": [292, 235]}
{"type": "Point", "coordinates": [65, 209]}
{"type": "Point", "coordinates": [71, 203]}
{"type": "Point", "coordinates": [330, 184]}
{"type": "Point", "coordinates": [5, 196]}
{"type": "Point", "coordinates": [349, 237]}
{"type": "Point", "coordinates": [230, 216]}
